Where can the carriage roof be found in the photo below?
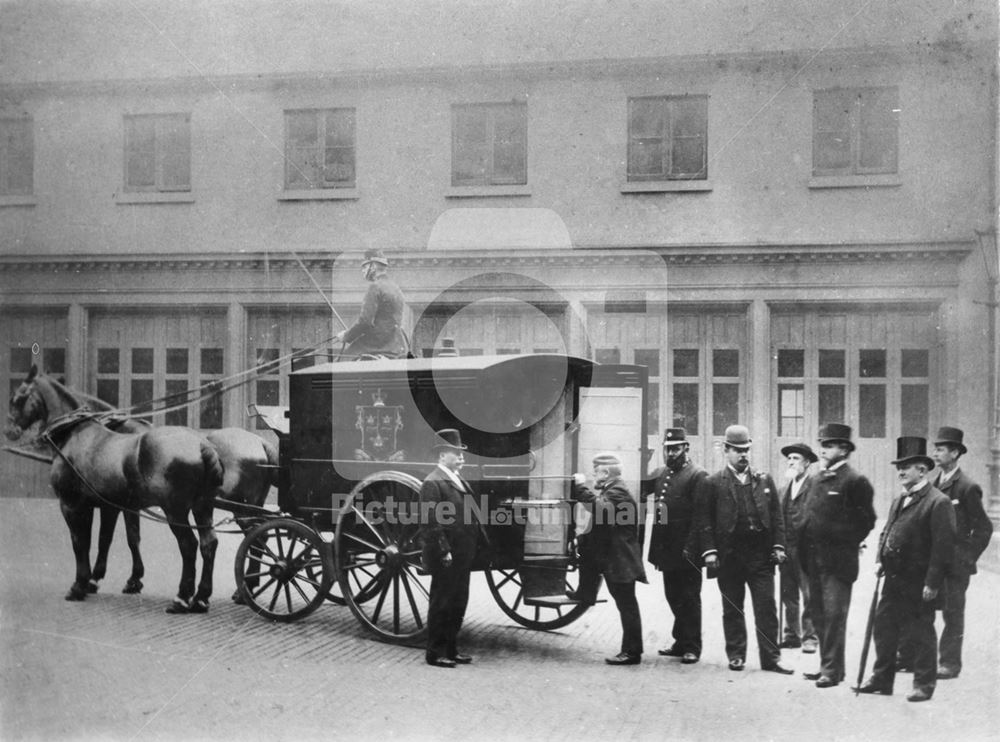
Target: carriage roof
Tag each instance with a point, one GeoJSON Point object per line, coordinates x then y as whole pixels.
{"type": "Point", "coordinates": [515, 364]}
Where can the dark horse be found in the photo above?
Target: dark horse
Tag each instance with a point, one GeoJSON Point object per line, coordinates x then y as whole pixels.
{"type": "Point", "coordinates": [173, 468]}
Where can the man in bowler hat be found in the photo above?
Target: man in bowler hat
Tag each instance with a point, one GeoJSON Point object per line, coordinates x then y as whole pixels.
{"type": "Point", "coordinates": [914, 552]}
{"type": "Point", "coordinates": [742, 533]}
{"type": "Point", "coordinates": [673, 549]}
{"type": "Point", "coordinates": [799, 629]}
{"type": "Point", "coordinates": [449, 538]}
{"type": "Point", "coordinates": [839, 516]}
{"type": "Point", "coordinates": [378, 330]}
{"type": "Point", "coordinates": [613, 548]}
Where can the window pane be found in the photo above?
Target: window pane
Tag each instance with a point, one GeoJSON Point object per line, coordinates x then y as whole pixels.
{"type": "Point", "coordinates": [16, 156]}
{"type": "Point", "coordinates": [645, 158]}
{"type": "Point", "coordinates": [646, 118]}
{"type": "Point", "coordinates": [832, 152]}
{"type": "Point", "coordinates": [107, 389]}
{"type": "Point", "coordinates": [211, 361]}
{"type": "Point", "coordinates": [177, 360]}
{"type": "Point", "coordinates": [725, 407]}
{"type": "Point", "coordinates": [725, 362]}
{"type": "Point", "coordinates": [914, 409]}
{"type": "Point", "coordinates": [267, 392]}
{"type": "Point", "coordinates": [211, 413]}
{"type": "Point", "coordinates": [686, 362]}
{"type": "Point", "coordinates": [54, 361]}
{"type": "Point", "coordinates": [107, 360]}
{"type": "Point", "coordinates": [832, 364]}
{"type": "Point", "coordinates": [20, 360]}
{"type": "Point", "coordinates": [470, 145]}
{"type": "Point", "coordinates": [831, 403]}
{"type": "Point", "coordinates": [791, 362]}
{"type": "Point", "coordinates": [688, 159]}
{"type": "Point", "coordinates": [686, 407]}
{"type": "Point", "coordinates": [142, 361]}
{"type": "Point", "coordinates": [607, 355]}
{"type": "Point", "coordinates": [142, 394]}
{"type": "Point", "coordinates": [515, 351]}
{"type": "Point", "coordinates": [650, 359]}
{"type": "Point", "coordinates": [878, 124]}
{"type": "Point", "coordinates": [510, 144]}
{"type": "Point", "coordinates": [653, 408]}
{"type": "Point", "coordinates": [871, 410]}
{"type": "Point", "coordinates": [303, 361]}
{"type": "Point", "coordinates": [340, 128]}
{"type": "Point", "coordinates": [176, 394]}
{"type": "Point", "coordinates": [915, 362]}
{"type": "Point", "coordinates": [791, 410]}
{"type": "Point", "coordinates": [871, 364]}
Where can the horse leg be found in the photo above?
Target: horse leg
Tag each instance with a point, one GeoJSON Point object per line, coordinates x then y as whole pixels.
{"type": "Point", "coordinates": [134, 584]}
{"type": "Point", "coordinates": [188, 545]}
{"type": "Point", "coordinates": [80, 522]}
{"type": "Point", "coordinates": [208, 543]}
{"type": "Point", "coordinates": [109, 520]}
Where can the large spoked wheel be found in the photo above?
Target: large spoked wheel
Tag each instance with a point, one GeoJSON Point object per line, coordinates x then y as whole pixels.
{"type": "Point", "coordinates": [508, 591]}
{"type": "Point", "coordinates": [283, 569]}
{"type": "Point", "coordinates": [377, 557]}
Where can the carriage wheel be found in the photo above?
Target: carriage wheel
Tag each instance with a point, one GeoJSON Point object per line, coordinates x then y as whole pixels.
{"type": "Point", "coordinates": [505, 584]}
{"type": "Point", "coordinates": [377, 557]}
{"type": "Point", "coordinates": [283, 569]}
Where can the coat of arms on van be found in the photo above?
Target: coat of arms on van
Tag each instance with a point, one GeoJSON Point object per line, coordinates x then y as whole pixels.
{"type": "Point", "coordinates": [379, 423]}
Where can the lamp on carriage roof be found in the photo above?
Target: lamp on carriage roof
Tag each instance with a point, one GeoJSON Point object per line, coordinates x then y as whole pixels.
{"type": "Point", "coordinates": [447, 349]}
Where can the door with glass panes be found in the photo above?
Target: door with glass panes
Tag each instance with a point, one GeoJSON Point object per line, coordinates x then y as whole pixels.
{"type": "Point", "coordinates": [493, 328]}
{"type": "Point", "coordinates": [873, 370]}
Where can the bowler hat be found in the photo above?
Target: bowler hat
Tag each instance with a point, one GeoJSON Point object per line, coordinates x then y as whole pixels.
{"type": "Point", "coordinates": [607, 459]}
{"type": "Point", "coordinates": [737, 436]}
{"type": "Point", "coordinates": [951, 437]}
{"type": "Point", "coordinates": [674, 437]}
{"type": "Point", "coordinates": [374, 256]}
{"type": "Point", "coordinates": [449, 438]}
{"type": "Point", "coordinates": [836, 433]}
{"type": "Point", "coordinates": [803, 449]}
{"type": "Point", "coordinates": [911, 449]}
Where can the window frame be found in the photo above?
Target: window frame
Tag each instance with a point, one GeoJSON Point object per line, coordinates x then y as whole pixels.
{"type": "Point", "coordinates": [161, 151]}
{"type": "Point", "coordinates": [491, 144]}
{"type": "Point", "coordinates": [667, 115]}
{"type": "Point", "coordinates": [856, 132]}
{"type": "Point", "coordinates": [9, 152]}
{"type": "Point", "coordinates": [322, 122]}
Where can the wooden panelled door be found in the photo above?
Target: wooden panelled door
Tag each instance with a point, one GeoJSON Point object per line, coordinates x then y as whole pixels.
{"type": "Point", "coordinates": [873, 370]}
{"type": "Point", "coordinates": [493, 328]}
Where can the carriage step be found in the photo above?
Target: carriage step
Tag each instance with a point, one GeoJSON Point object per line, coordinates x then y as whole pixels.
{"type": "Point", "coordinates": [554, 601]}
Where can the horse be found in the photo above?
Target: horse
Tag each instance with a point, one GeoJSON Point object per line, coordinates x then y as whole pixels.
{"type": "Point", "coordinates": [173, 468]}
{"type": "Point", "coordinates": [249, 470]}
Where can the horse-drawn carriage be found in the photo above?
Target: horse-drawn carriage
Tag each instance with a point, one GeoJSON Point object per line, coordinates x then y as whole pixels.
{"type": "Point", "coordinates": [358, 444]}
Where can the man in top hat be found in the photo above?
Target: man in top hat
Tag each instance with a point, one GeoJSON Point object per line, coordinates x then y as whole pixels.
{"type": "Point", "coordinates": [613, 548]}
{"type": "Point", "coordinates": [378, 330]}
{"type": "Point", "coordinates": [839, 516]}
{"type": "Point", "coordinates": [799, 632]}
{"type": "Point", "coordinates": [742, 533]}
{"type": "Point", "coordinates": [973, 530]}
{"type": "Point", "coordinates": [672, 547]}
{"type": "Point", "coordinates": [449, 538]}
{"type": "Point", "coordinates": [914, 552]}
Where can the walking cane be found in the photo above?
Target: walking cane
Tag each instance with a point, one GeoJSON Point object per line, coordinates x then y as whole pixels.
{"type": "Point", "coordinates": [781, 609]}
{"type": "Point", "coordinates": [868, 636]}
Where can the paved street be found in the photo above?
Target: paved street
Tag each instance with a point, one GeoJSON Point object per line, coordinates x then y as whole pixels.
{"type": "Point", "coordinates": [116, 667]}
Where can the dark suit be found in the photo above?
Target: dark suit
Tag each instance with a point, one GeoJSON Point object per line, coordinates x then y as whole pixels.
{"type": "Point", "coordinates": [839, 515]}
{"type": "Point", "coordinates": [743, 524]}
{"type": "Point", "coordinates": [915, 550]}
{"type": "Point", "coordinates": [379, 327]}
{"type": "Point", "coordinates": [612, 548]}
{"type": "Point", "coordinates": [793, 576]}
{"type": "Point", "coordinates": [449, 584]}
{"type": "Point", "coordinates": [673, 550]}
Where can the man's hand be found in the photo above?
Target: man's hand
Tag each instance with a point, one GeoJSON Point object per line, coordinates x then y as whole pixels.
{"type": "Point", "coordinates": [339, 337]}
{"type": "Point", "coordinates": [929, 594]}
{"type": "Point", "coordinates": [879, 571]}
{"type": "Point", "coordinates": [712, 561]}
{"type": "Point", "coordinates": [579, 479]}
{"type": "Point", "coordinates": [778, 555]}
{"type": "Point", "coordinates": [446, 559]}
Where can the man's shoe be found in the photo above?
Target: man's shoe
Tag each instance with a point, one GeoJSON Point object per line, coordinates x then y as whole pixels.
{"type": "Point", "coordinates": [873, 688]}
{"type": "Point", "coordinates": [689, 658]}
{"type": "Point", "coordinates": [624, 659]}
{"type": "Point", "coordinates": [809, 646]}
{"type": "Point", "coordinates": [670, 652]}
{"type": "Point", "coordinates": [825, 681]}
{"type": "Point", "coordinates": [918, 695]}
{"type": "Point", "coordinates": [790, 643]}
{"type": "Point", "coordinates": [434, 660]}
{"type": "Point", "coordinates": [812, 675]}
{"type": "Point", "coordinates": [736, 664]}
{"type": "Point", "coordinates": [584, 599]}
{"type": "Point", "coordinates": [947, 673]}
{"type": "Point", "coordinates": [461, 659]}
{"type": "Point", "coordinates": [778, 669]}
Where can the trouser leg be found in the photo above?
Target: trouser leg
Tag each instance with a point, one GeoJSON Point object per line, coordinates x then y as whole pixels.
{"type": "Point", "coordinates": [732, 587]}
{"type": "Point", "coordinates": [628, 611]}
{"type": "Point", "coordinates": [954, 621]}
{"type": "Point", "coordinates": [682, 589]}
{"type": "Point", "coordinates": [921, 629]}
{"type": "Point", "coordinates": [444, 586]}
{"type": "Point", "coordinates": [456, 611]}
{"type": "Point", "coordinates": [808, 629]}
{"type": "Point", "coordinates": [835, 599]}
{"type": "Point", "coordinates": [886, 632]}
{"type": "Point", "coordinates": [765, 613]}
{"type": "Point", "coordinates": [790, 600]}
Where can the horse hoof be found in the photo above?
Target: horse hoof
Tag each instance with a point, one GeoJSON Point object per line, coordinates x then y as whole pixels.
{"type": "Point", "coordinates": [199, 606]}
{"type": "Point", "coordinates": [132, 587]}
{"type": "Point", "coordinates": [178, 607]}
{"type": "Point", "coordinates": [92, 587]}
{"type": "Point", "coordinates": [76, 593]}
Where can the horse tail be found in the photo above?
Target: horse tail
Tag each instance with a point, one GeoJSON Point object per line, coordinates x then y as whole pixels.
{"type": "Point", "coordinates": [214, 470]}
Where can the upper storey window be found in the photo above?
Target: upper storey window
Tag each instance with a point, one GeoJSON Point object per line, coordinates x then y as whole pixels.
{"type": "Point", "coordinates": [320, 148]}
{"type": "Point", "coordinates": [16, 157]}
{"type": "Point", "coordinates": [855, 131]}
{"type": "Point", "coordinates": [489, 144]}
{"type": "Point", "coordinates": [158, 153]}
{"type": "Point", "coordinates": [667, 138]}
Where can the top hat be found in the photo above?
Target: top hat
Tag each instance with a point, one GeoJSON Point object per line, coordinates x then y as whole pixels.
{"type": "Point", "coordinates": [374, 256]}
{"type": "Point", "coordinates": [804, 450]}
{"type": "Point", "coordinates": [952, 437]}
{"type": "Point", "coordinates": [836, 433]}
{"type": "Point", "coordinates": [674, 437]}
{"type": "Point", "coordinates": [737, 436]}
{"type": "Point", "coordinates": [607, 459]}
{"type": "Point", "coordinates": [911, 449]}
{"type": "Point", "coordinates": [449, 438]}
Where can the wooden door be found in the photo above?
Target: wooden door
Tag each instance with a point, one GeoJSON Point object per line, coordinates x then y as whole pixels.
{"type": "Point", "coordinates": [493, 328]}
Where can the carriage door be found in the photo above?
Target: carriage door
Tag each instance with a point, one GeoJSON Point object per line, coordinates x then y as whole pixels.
{"type": "Point", "coordinates": [26, 338]}
{"type": "Point", "coordinates": [872, 370]}
{"type": "Point", "coordinates": [502, 327]}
